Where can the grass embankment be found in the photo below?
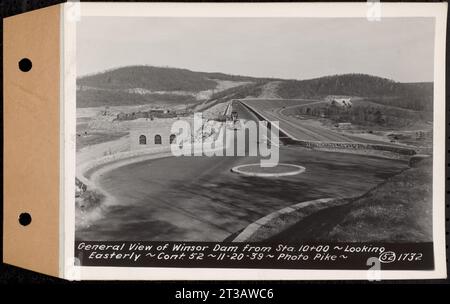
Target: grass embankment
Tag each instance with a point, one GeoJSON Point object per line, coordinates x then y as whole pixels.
{"type": "Point", "coordinates": [400, 209]}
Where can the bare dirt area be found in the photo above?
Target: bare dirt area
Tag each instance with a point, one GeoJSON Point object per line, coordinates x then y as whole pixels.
{"type": "Point", "coordinates": [269, 90]}
{"type": "Point", "coordinates": [88, 135]}
{"type": "Point", "coordinates": [93, 138]}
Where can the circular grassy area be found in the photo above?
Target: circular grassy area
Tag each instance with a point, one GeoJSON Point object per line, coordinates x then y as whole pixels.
{"type": "Point", "coordinates": [277, 171]}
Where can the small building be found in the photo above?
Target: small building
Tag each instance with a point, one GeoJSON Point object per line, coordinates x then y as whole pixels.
{"type": "Point", "coordinates": [151, 134]}
{"type": "Point", "coordinates": [342, 102]}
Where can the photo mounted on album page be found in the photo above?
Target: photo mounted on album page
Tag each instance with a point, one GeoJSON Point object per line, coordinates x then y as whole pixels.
{"type": "Point", "coordinates": [269, 141]}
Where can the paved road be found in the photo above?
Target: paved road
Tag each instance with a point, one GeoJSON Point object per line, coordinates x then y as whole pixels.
{"type": "Point", "coordinates": [302, 130]}
{"type": "Point", "coordinates": [199, 199]}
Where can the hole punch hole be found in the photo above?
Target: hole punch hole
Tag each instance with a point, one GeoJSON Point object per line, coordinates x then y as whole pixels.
{"type": "Point", "coordinates": [25, 65]}
{"type": "Point", "coordinates": [24, 219]}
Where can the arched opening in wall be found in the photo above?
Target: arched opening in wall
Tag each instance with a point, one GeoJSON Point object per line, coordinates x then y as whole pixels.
{"type": "Point", "coordinates": [142, 140]}
{"type": "Point", "coordinates": [158, 139]}
{"type": "Point", "coordinates": [173, 138]}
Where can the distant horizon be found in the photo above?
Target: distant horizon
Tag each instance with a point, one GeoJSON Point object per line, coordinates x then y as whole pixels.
{"type": "Point", "coordinates": [240, 75]}
{"type": "Point", "coordinates": [400, 49]}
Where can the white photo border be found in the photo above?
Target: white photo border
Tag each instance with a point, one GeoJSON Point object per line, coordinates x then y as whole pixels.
{"type": "Point", "coordinates": [68, 265]}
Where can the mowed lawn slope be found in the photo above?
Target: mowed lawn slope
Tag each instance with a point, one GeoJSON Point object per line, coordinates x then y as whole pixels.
{"type": "Point", "coordinates": [399, 209]}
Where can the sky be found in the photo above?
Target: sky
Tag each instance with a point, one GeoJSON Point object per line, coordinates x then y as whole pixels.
{"type": "Point", "coordinates": [401, 49]}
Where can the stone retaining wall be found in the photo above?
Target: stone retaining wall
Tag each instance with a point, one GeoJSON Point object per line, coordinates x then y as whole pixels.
{"type": "Point", "coordinates": [354, 146]}
{"type": "Point", "coordinates": [84, 168]}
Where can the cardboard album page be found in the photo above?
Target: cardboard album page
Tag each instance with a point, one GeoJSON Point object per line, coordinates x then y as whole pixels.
{"type": "Point", "coordinates": [277, 141]}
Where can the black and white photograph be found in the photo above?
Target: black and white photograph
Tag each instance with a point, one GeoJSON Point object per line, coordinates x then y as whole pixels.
{"type": "Point", "coordinates": [256, 142]}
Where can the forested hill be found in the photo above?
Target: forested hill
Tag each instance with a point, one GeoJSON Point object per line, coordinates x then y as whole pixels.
{"type": "Point", "coordinates": [156, 79]}
{"type": "Point", "coordinates": [135, 85]}
{"type": "Point", "coordinates": [414, 96]}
